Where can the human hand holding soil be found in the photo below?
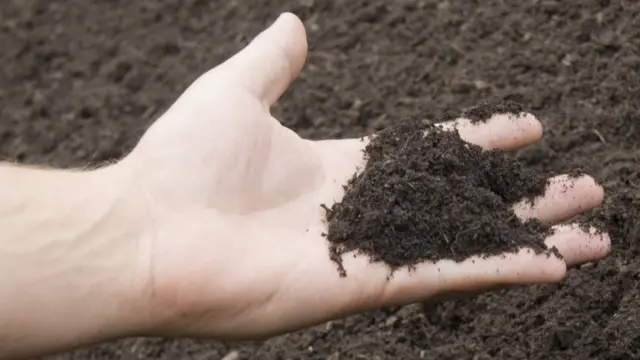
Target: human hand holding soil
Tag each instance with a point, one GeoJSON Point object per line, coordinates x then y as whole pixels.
{"type": "Point", "coordinates": [224, 235]}
{"type": "Point", "coordinates": [234, 203]}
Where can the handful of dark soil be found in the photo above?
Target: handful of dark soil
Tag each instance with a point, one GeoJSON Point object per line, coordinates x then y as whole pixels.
{"type": "Point", "coordinates": [431, 197]}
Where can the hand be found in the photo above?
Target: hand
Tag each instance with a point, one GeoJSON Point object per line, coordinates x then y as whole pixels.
{"type": "Point", "coordinates": [233, 246]}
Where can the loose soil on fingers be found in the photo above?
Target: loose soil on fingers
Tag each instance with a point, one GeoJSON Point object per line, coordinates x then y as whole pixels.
{"type": "Point", "coordinates": [81, 80]}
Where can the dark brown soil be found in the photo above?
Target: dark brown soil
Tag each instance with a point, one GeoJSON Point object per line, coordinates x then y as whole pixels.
{"type": "Point", "coordinates": [427, 198]}
{"type": "Point", "coordinates": [80, 80]}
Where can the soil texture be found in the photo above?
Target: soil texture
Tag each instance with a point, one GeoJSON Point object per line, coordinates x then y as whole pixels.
{"type": "Point", "coordinates": [80, 81]}
{"type": "Point", "coordinates": [427, 195]}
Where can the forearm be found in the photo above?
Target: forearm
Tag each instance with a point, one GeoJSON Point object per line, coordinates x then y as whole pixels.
{"type": "Point", "coordinates": [66, 250]}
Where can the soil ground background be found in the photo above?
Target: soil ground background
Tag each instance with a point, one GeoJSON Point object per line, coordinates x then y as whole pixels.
{"type": "Point", "coordinates": [81, 80]}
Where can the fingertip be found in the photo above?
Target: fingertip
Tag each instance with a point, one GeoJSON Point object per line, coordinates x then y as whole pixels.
{"type": "Point", "coordinates": [291, 18]}
{"type": "Point", "coordinates": [597, 191]}
{"type": "Point", "coordinates": [501, 131]}
{"type": "Point", "coordinates": [579, 243]}
{"type": "Point", "coordinates": [296, 45]}
{"type": "Point", "coordinates": [591, 193]}
{"type": "Point", "coordinates": [527, 129]}
{"type": "Point", "coordinates": [600, 240]}
{"type": "Point", "coordinates": [565, 197]}
{"type": "Point", "coordinates": [289, 35]}
{"type": "Point", "coordinates": [537, 129]}
{"type": "Point", "coordinates": [605, 244]}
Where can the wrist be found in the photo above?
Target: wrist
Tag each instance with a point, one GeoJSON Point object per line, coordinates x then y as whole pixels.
{"type": "Point", "coordinates": [77, 238]}
{"type": "Point", "coordinates": [128, 241]}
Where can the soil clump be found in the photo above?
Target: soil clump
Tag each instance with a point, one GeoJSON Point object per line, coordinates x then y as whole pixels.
{"type": "Point", "coordinates": [425, 194]}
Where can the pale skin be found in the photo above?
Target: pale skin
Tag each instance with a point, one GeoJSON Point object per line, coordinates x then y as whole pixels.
{"type": "Point", "coordinates": [211, 227]}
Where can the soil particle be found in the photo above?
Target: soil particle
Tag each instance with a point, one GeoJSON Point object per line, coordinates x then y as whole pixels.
{"type": "Point", "coordinates": [431, 197]}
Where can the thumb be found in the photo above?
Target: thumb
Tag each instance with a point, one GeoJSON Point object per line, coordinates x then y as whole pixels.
{"type": "Point", "coordinates": [269, 64]}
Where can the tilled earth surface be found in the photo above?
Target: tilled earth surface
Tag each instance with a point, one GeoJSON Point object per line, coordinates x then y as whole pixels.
{"type": "Point", "coordinates": [81, 80]}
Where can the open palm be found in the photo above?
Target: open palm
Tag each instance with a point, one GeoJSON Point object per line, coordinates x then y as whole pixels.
{"type": "Point", "coordinates": [234, 245]}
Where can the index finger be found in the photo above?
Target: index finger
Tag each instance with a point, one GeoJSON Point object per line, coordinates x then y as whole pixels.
{"type": "Point", "coordinates": [501, 131]}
